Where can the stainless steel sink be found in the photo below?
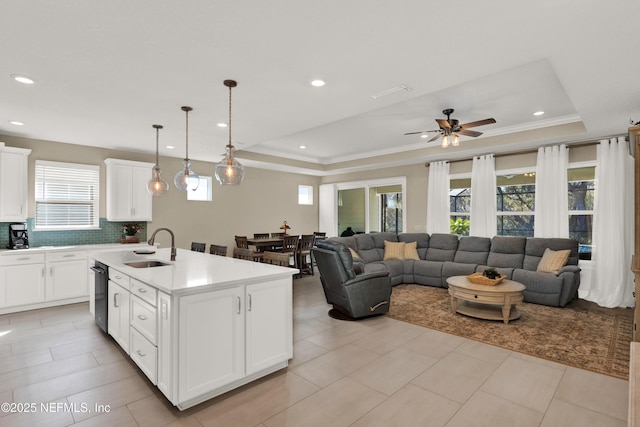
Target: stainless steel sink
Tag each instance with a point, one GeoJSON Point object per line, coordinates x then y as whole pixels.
{"type": "Point", "coordinates": [146, 264]}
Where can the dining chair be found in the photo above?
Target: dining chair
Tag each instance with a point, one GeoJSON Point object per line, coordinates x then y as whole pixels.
{"type": "Point", "coordinates": [305, 260]}
{"type": "Point", "coordinates": [320, 235]}
{"type": "Point", "coordinates": [198, 247]}
{"type": "Point", "coordinates": [276, 258]}
{"type": "Point", "coordinates": [260, 235]}
{"type": "Point", "coordinates": [277, 235]}
{"type": "Point", "coordinates": [290, 247]}
{"type": "Point", "coordinates": [241, 243]}
{"type": "Point", "coordinates": [218, 250]}
{"type": "Point", "coordinates": [248, 254]}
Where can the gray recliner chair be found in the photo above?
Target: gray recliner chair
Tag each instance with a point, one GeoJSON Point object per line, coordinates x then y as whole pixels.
{"type": "Point", "coordinates": [352, 295]}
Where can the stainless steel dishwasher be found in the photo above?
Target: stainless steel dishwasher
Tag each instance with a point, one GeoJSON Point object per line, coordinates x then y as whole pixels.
{"type": "Point", "coordinates": [101, 294]}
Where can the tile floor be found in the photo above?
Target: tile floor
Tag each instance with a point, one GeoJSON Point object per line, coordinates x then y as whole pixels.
{"type": "Point", "coordinates": [376, 372]}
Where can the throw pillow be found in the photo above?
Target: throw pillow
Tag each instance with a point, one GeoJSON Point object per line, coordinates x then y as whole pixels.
{"type": "Point", "coordinates": [552, 261]}
{"type": "Point", "coordinates": [355, 255]}
{"type": "Point", "coordinates": [411, 250]}
{"type": "Point", "coordinates": [393, 250]}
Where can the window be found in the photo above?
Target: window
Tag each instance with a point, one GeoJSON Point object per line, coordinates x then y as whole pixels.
{"type": "Point", "coordinates": [66, 195]}
{"type": "Point", "coordinates": [460, 206]}
{"type": "Point", "coordinates": [305, 195]}
{"type": "Point", "coordinates": [391, 212]}
{"type": "Point", "coordinates": [203, 192]}
{"type": "Point", "coordinates": [516, 195]}
{"type": "Point", "coordinates": [581, 191]}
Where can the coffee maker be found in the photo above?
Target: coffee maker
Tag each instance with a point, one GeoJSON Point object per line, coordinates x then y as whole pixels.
{"type": "Point", "coordinates": [18, 238]}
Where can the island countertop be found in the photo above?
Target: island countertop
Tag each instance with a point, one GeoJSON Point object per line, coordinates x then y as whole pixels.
{"type": "Point", "coordinates": [192, 272]}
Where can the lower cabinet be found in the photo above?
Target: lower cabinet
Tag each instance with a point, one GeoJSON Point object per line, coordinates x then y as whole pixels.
{"type": "Point", "coordinates": [22, 280]}
{"type": "Point", "coordinates": [119, 314]}
{"type": "Point", "coordinates": [67, 275]}
{"type": "Point", "coordinates": [214, 342]}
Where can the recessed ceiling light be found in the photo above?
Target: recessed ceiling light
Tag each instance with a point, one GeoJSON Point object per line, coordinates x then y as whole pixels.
{"type": "Point", "coordinates": [222, 125]}
{"type": "Point", "coordinates": [318, 82]}
{"type": "Point", "coordinates": [424, 135]}
{"type": "Point", "coordinates": [170, 147]}
{"type": "Point", "coordinates": [16, 123]}
{"type": "Point", "coordinates": [302, 147]}
{"type": "Point", "coordinates": [23, 79]}
{"type": "Point", "coordinates": [538, 113]}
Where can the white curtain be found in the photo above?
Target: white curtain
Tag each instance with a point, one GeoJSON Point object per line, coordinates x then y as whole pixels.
{"type": "Point", "coordinates": [552, 206]}
{"type": "Point", "coordinates": [438, 198]}
{"type": "Point", "coordinates": [613, 227]}
{"type": "Point", "coordinates": [483, 197]}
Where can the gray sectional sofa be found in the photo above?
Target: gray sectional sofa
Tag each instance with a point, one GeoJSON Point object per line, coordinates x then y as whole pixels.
{"type": "Point", "coordinates": [445, 255]}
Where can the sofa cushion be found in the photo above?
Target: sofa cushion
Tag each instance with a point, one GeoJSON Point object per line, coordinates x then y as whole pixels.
{"type": "Point", "coordinates": [552, 261]}
{"type": "Point", "coordinates": [428, 272]}
{"type": "Point", "coordinates": [355, 256]}
{"type": "Point", "coordinates": [456, 269]}
{"type": "Point", "coordinates": [536, 246]}
{"type": "Point", "coordinates": [540, 288]}
{"type": "Point", "coordinates": [411, 250]}
{"type": "Point", "coordinates": [507, 251]}
{"type": "Point", "coordinates": [395, 268]}
{"type": "Point", "coordinates": [370, 247]}
{"type": "Point", "coordinates": [421, 239]}
{"type": "Point", "coordinates": [473, 250]}
{"type": "Point", "coordinates": [442, 247]}
{"type": "Point", "coordinates": [393, 250]}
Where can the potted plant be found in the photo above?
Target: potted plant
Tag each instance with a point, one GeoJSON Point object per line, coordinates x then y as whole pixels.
{"type": "Point", "coordinates": [129, 231]}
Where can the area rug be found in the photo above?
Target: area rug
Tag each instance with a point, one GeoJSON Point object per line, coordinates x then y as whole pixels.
{"type": "Point", "coordinates": [595, 339]}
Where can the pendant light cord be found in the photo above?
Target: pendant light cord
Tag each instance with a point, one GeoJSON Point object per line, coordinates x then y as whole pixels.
{"type": "Point", "coordinates": [187, 134]}
{"type": "Point", "coordinates": [230, 146]}
{"type": "Point", "coordinates": [157, 139]}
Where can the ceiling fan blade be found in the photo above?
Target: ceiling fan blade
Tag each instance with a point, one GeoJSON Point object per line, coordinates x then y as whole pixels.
{"type": "Point", "coordinates": [468, 132]}
{"type": "Point", "coordinates": [477, 123]}
{"type": "Point", "coordinates": [444, 124]}
{"type": "Point", "coordinates": [422, 131]}
{"type": "Point", "coordinates": [435, 137]}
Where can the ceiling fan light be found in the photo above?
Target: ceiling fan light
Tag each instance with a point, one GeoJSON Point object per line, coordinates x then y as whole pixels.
{"type": "Point", "coordinates": [445, 141]}
{"type": "Point", "coordinates": [456, 140]}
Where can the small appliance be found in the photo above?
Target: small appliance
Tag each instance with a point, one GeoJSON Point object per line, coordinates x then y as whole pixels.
{"type": "Point", "coordinates": [18, 238]}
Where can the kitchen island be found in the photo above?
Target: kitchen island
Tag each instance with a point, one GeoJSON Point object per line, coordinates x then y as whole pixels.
{"type": "Point", "coordinates": [201, 325]}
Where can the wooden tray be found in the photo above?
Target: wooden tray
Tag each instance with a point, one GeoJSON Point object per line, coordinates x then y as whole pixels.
{"type": "Point", "coordinates": [479, 279]}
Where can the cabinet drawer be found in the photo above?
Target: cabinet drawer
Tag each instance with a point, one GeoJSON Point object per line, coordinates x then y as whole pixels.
{"type": "Point", "coordinates": [120, 278]}
{"type": "Point", "coordinates": [66, 256]}
{"type": "Point", "coordinates": [144, 318]}
{"type": "Point", "coordinates": [18, 259]}
{"type": "Point", "coordinates": [145, 355]}
{"type": "Point", "coordinates": [144, 291]}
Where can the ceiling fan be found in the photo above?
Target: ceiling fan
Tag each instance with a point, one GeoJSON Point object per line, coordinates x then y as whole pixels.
{"type": "Point", "coordinates": [450, 129]}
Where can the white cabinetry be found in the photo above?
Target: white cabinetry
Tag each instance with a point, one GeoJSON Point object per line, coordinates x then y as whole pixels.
{"type": "Point", "coordinates": [127, 195]}
{"type": "Point", "coordinates": [21, 279]}
{"type": "Point", "coordinates": [119, 314]}
{"type": "Point", "coordinates": [211, 341]}
{"type": "Point", "coordinates": [268, 324]}
{"type": "Point", "coordinates": [67, 275]}
{"type": "Point", "coordinates": [13, 184]}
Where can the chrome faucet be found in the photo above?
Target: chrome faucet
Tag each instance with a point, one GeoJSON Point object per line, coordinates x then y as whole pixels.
{"type": "Point", "coordinates": [151, 241]}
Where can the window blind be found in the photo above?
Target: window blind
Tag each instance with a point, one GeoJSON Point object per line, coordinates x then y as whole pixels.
{"type": "Point", "coordinates": [67, 195]}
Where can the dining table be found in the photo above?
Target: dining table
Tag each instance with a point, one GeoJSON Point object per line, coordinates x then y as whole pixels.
{"type": "Point", "coordinates": [263, 244]}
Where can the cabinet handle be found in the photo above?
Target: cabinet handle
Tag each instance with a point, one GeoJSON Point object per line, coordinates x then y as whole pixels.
{"type": "Point", "coordinates": [68, 256]}
{"type": "Point", "coordinates": [25, 258]}
{"type": "Point", "coordinates": [51, 271]}
{"type": "Point", "coordinates": [165, 310]}
{"type": "Point", "coordinates": [238, 305]}
{"type": "Point", "coordinates": [249, 303]}
{"type": "Point", "coordinates": [115, 300]}
{"type": "Point", "coordinates": [118, 277]}
{"type": "Point", "coordinates": [43, 272]}
{"type": "Point", "coordinates": [142, 290]}
{"type": "Point", "coordinates": [141, 353]}
{"type": "Point", "coordinates": [142, 317]}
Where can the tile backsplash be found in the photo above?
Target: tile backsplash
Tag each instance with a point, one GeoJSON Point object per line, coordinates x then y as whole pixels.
{"type": "Point", "coordinates": [109, 232]}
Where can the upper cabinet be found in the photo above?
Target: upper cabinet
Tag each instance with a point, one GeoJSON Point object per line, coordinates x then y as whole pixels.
{"type": "Point", "coordinates": [13, 183]}
{"type": "Point", "coordinates": [127, 195]}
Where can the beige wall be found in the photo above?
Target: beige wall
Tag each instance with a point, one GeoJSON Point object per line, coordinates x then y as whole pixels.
{"type": "Point", "coordinates": [259, 204]}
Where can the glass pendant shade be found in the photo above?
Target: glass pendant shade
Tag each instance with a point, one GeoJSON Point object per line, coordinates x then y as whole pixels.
{"type": "Point", "coordinates": [157, 186]}
{"type": "Point", "coordinates": [229, 171]}
{"type": "Point", "coordinates": [186, 178]}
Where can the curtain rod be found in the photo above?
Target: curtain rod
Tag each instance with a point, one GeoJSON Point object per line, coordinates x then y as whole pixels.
{"type": "Point", "coordinates": [586, 143]}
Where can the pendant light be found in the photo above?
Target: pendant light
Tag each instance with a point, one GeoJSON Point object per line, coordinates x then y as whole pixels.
{"type": "Point", "coordinates": [186, 178]}
{"type": "Point", "coordinates": [157, 186]}
{"type": "Point", "coordinates": [229, 171]}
